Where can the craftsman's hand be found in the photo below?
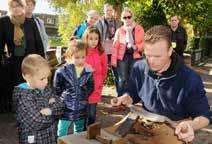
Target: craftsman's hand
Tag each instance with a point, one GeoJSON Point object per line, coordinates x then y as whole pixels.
{"type": "Point", "coordinates": [46, 111]}
{"type": "Point", "coordinates": [125, 99]}
{"type": "Point", "coordinates": [185, 131]}
{"type": "Point", "coordinates": [52, 100]}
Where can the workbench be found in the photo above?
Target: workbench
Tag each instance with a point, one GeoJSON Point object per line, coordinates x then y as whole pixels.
{"type": "Point", "coordinates": [162, 135]}
{"type": "Point", "coordinates": [79, 138]}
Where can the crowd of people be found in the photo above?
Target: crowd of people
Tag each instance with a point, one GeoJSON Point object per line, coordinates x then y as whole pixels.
{"type": "Point", "coordinates": [148, 68]}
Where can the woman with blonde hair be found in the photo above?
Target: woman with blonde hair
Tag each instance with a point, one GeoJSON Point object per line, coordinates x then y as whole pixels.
{"type": "Point", "coordinates": [21, 38]}
{"type": "Point", "coordinates": [127, 47]}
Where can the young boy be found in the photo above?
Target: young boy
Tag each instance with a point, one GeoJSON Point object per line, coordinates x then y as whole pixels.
{"type": "Point", "coordinates": [36, 105]}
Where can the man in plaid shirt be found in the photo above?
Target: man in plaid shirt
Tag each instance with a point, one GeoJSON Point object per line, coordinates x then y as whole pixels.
{"type": "Point", "coordinates": [37, 107]}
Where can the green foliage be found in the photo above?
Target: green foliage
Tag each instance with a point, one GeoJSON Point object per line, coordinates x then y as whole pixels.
{"type": "Point", "coordinates": [192, 11]}
{"type": "Point", "coordinates": [114, 2]}
{"type": "Point", "coordinates": [203, 43]}
{"type": "Point", "coordinates": [153, 12]}
{"type": "Point", "coordinates": [190, 44]}
{"type": "Point", "coordinates": [60, 4]}
{"type": "Point", "coordinates": [148, 13]}
{"type": "Point", "coordinates": [110, 78]}
{"type": "Point", "coordinates": [54, 42]}
{"type": "Point", "coordinates": [209, 17]}
{"type": "Point", "coordinates": [154, 15]}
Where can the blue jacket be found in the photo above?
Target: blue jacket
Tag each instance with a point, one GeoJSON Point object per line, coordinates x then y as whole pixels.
{"type": "Point", "coordinates": [178, 94]}
{"type": "Point", "coordinates": [73, 91]}
{"type": "Point", "coordinates": [79, 31]}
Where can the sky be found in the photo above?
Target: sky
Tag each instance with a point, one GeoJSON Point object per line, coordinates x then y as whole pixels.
{"type": "Point", "coordinates": [42, 6]}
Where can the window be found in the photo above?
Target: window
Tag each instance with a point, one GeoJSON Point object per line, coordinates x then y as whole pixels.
{"type": "Point", "coordinates": [50, 20]}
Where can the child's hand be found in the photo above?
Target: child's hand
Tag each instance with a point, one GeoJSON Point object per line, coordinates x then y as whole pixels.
{"type": "Point", "coordinates": [52, 100]}
{"type": "Point", "coordinates": [46, 111]}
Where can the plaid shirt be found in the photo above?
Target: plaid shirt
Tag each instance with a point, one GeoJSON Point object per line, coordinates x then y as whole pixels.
{"type": "Point", "coordinates": [30, 122]}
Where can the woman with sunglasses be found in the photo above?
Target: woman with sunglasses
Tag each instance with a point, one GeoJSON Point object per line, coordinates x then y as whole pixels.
{"type": "Point", "coordinates": [127, 47]}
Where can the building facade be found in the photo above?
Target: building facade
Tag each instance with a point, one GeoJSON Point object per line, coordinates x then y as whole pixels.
{"type": "Point", "coordinates": [50, 22]}
{"type": "Point", "coordinates": [2, 13]}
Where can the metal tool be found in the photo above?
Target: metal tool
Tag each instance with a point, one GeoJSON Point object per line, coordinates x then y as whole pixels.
{"type": "Point", "coordinates": [127, 123]}
{"type": "Point", "coordinates": [142, 113]}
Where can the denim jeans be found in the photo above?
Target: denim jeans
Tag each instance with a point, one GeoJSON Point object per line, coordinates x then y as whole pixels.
{"type": "Point", "coordinates": [124, 67]}
{"type": "Point", "coordinates": [115, 77]}
{"type": "Point", "coordinates": [113, 70]}
{"type": "Point", "coordinates": [91, 114]}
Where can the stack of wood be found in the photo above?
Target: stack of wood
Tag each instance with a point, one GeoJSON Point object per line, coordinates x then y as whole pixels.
{"type": "Point", "coordinates": [134, 130]}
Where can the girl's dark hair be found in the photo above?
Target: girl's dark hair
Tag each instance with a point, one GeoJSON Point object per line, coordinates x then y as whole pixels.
{"type": "Point", "coordinates": [94, 29]}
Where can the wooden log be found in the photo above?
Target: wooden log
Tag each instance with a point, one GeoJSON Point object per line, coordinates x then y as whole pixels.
{"type": "Point", "coordinates": [93, 130]}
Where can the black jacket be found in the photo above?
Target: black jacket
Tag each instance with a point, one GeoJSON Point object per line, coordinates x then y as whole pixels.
{"type": "Point", "coordinates": [180, 37]}
{"type": "Point", "coordinates": [31, 33]}
{"type": "Point", "coordinates": [33, 44]}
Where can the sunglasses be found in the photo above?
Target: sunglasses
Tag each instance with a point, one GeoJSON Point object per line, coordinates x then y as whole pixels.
{"type": "Point", "coordinates": [127, 17]}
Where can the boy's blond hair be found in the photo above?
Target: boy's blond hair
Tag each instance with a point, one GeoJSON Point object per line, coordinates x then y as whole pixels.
{"type": "Point", "coordinates": [34, 63]}
{"type": "Point", "coordinates": [80, 46]}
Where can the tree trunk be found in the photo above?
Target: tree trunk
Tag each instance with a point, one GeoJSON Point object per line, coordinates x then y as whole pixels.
{"type": "Point", "coordinates": [118, 9]}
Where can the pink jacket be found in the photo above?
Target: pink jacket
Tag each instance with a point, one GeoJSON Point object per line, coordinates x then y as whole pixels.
{"type": "Point", "coordinates": [99, 64]}
{"type": "Point", "coordinates": [119, 44]}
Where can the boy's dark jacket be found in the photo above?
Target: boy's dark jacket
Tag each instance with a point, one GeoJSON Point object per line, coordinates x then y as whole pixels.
{"type": "Point", "coordinates": [30, 122]}
{"type": "Point", "coordinates": [178, 93]}
{"type": "Point", "coordinates": [73, 91]}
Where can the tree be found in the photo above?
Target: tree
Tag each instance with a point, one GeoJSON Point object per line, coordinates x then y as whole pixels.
{"type": "Point", "coordinates": [72, 13]}
{"type": "Point", "coordinates": [152, 14]}
{"type": "Point", "coordinates": [193, 12]}
{"type": "Point", "coordinates": [147, 12]}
